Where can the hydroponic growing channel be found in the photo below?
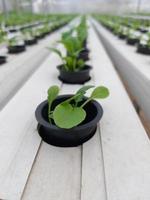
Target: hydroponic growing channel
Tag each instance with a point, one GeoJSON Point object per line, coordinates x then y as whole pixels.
{"type": "Point", "coordinates": [74, 103]}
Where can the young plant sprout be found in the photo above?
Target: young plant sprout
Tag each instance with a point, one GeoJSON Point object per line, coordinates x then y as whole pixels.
{"type": "Point", "coordinates": [70, 112]}
{"type": "Point", "coordinates": [73, 45]}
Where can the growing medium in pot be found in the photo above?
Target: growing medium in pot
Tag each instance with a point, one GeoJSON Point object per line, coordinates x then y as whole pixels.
{"type": "Point", "coordinates": [70, 120]}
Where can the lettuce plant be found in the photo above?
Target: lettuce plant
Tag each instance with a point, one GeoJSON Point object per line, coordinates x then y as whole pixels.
{"type": "Point", "coordinates": [81, 30]}
{"type": "Point", "coordinates": [28, 34]}
{"type": "Point", "coordinates": [70, 61]}
{"type": "Point", "coordinates": [70, 112]}
{"type": "Point", "coordinates": [73, 45]}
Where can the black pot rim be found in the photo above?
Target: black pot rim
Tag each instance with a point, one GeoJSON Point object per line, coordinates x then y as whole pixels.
{"type": "Point", "coordinates": [45, 123]}
{"type": "Point", "coordinates": [12, 46]}
{"type": "Point", "coordinates": [3, 57]}
{"type": "Point", "coordinates": [59, 67]}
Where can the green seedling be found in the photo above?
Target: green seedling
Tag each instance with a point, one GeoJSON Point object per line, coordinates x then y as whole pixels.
{"type": "Point", "coordinates": [73, 46]}
{"type": "Point", "coordinates": [70, 112]}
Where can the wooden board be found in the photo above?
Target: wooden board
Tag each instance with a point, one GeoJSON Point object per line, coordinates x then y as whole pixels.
{"type": "Point", "coordinates": [125, 145]}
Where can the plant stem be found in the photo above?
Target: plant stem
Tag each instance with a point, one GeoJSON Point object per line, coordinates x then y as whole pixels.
{"type": "Point", "coordinates": [71, 98]}
{"type": "Point", "coordinates": [88, 100]}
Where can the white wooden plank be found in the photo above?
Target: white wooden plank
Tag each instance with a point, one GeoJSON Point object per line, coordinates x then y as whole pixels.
{"type": "Point", "coordinates": [93, 183]}
{"type": "Point", "coordinates": [125, 145]}
{"type": "Point", "coordinates": [133, 67]}
{"type": "Point", "coordinates": [55, 175]}
{"type": "Point", "coordinates": [93, 180]}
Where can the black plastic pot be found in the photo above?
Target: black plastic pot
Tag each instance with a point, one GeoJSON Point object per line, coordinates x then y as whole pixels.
{"type": "Point", "coordinates": [56, 136]}
{"type": "Point", "coordinates": [132, 41]}
{"type": "Point", "coordinates": [143, 49]}
{"type": "Point", "coordinates": [40, 36]}
{"type": "Point", "coordinates": [78, 77]}
{"type": "Point", "coordinates": [85, 44]}
{"type": "Point", "coordinates": [84, 55]}
{"type": "Point", "coordinates": [122, 36]}
{"type": "Point", "coordinates": [2, 60]}
{"type": "Point", "coordinates": [16, 49]}
{"type": "Point", "coordinates": [31, 42]}
{"type": "Point", "coordinates": [143, 30]}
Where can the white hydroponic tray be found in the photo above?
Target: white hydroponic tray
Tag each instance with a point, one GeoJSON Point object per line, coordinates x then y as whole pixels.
{"type": "Point", "coordinates": [113, 165]}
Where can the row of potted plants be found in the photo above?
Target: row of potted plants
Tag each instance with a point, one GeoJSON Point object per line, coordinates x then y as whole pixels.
{"type": "Point", "coordinates": [134, 31]}
{"type": "Point", "coordinates": [18, 40]}
{"type": "Point", "coordinates": [22, 19]}
{"type": "Point", "coordinates": [70, 120]}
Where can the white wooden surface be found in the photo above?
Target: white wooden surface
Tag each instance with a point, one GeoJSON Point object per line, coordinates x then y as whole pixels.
{"type": "Point", "coordinates": [19, 67]}
{"type": "Point", "coordinates": [125, 145]}
{"type": "Point", "coordinates": [133, 67]}
{"type": "Point", "coordinates": [113, 165]}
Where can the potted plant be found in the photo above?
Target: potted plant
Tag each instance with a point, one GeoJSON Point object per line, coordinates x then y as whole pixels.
{"type": "Point", "coordinates": [73, 69]}
{"type": "Point", "coordinates": [70, 120]}
{"type": "Point", "coordinates": [133, 37]}
{"type": "Point", "coordinates": [82, 34]}
{"type": "Point", "coordinates": [144, 44]}
{"type": "Point", "coordinates": [16, 44]}
{"type": "Point", "coordinates": [29, 37]}
{"type": "Point", "coordinates": [123, 31]}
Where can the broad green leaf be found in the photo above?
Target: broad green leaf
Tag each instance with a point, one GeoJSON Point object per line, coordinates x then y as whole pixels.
{"type": "Point", "coordinates": [52, 93]}
{"type": "Point", "coordinates": [100, 92]}
{"type": "Point", "coordinates": [56, 51]}
{"type": "Point", "coordinates": [66, 116]}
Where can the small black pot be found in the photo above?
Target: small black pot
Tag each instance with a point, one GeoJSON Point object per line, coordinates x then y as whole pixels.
{"type": "Point", "coordinates": [79, 77]}
{"type": "Point", "coordinates": [2, 59]}
{"type": "Point", "coordinates": [16, 49]}
{"type": "Point", "coordinates": [143, 49]}
{"type": "Point", "coordinates": [85, 44]}
{"type": "Point", "coordinates": [31, 42]}
{"type": "Point", "coordinates": [84, 55]}
{"type": "Point", "coordinates": [40, 36]}
{"type": "Point", "coordinates": [143, 30]}
{"type": "Point", "coordinates": [122, 36]}
{"type": "Point", "coordinates": [56, 136]}
{"type": "Point", "coordinates": [132, 41]}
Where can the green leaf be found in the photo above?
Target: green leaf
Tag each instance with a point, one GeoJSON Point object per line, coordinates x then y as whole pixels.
{"type": "Point", "coordinates": [84, 89]}
{"type": "Point", "coordinates": [52, 94]}
{"type": "Point", "coordinates": [66, 116]}
{"type": "Point", "coordinates": [81, 92]}
{"type": "Point", "coordinates": [56, 51]}
{"type": "Point", "coordinates": [100, 92]}
{"type": "Point", "coordinates": [80, 63]}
